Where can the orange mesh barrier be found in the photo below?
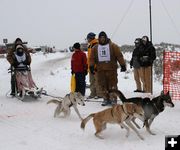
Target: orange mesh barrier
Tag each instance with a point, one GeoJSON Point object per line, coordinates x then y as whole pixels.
{"type": "Point", "coordinates": [171, 74]}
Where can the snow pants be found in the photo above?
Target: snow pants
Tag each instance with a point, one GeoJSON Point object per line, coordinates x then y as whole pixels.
{"type": "Point", "coordinates": [107, 80]}
{"type": "Point", "coordinates": [80, 83]}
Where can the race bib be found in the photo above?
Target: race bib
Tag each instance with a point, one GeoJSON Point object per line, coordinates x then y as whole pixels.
{"type": "Point", "coordinates": [103, 53]}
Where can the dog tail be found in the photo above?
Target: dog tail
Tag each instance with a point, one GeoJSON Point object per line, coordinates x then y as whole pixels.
{"type": "Point", "coordinates": [119, 94]}
{"type": "Point", "coordinates": [55, 101]}
{"type": "Point", "coordinates": [84, 121]}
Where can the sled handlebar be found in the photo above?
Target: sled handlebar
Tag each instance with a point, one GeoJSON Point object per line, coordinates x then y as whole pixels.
{"type": "Point", "coordinates": [12, 69]}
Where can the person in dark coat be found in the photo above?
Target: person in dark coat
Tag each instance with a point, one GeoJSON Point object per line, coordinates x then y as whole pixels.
{"type": "Point", "coordinates": [146, 59]}
{"type": "Point", "coordinates": [79, 68]}
{"type": "Point", "coordinates": [17, 56]}
{"type": "Point", "coordinates": [134, 63]}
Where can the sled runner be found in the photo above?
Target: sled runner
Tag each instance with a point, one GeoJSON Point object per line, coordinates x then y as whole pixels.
{"type": "Point", "coordinates": [25, 85]}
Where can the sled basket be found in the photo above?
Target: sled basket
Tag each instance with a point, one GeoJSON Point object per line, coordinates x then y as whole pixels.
{"type": "Point", "coordinates": [25, 84]}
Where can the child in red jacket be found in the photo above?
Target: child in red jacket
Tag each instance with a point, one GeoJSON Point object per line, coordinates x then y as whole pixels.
{"type": "Point", "coordinates": [79, 67]}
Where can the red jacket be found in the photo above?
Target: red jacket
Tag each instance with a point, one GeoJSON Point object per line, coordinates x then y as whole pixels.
{"type": "Point", "coordinates": [79, 61]}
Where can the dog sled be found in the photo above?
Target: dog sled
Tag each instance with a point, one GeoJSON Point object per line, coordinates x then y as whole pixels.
{"type": "Point", "coordinates": [24, 84]}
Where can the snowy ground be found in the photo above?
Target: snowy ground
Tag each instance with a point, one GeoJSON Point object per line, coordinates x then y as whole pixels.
{"type": "Point", "coordinates": [30, 125]}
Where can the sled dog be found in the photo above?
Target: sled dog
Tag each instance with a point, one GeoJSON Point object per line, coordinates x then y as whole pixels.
{"type": "Point", "coordinates": [71, 99]}
{"type": "Point", "coordinates": [151, 108]}
{"type": "Point", "coordinates": [119, 114]}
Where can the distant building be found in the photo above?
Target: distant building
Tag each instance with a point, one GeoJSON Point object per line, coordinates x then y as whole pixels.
{"type": "Point", "coordinates": [3, 49]}
{"type": "Point", "coordinates": [84, 46]}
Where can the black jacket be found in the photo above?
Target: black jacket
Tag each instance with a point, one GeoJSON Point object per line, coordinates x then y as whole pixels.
{"type": "Point", "coordinates": [135, 58]}
{"type": "Point", "coordinates": [147, 55]}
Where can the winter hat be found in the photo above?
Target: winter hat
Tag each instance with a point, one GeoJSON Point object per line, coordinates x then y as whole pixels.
{"type": "Point", "coordinates": [102, 33]}
{"type": "Point", "coordinates": [137, 40]}
{"type": "Point", "coordinates": [91, 35]}
{"type": "Point", "coordinates": [145, 38]}
{"type": "Point", "coordinates": [18, 40]}
{"type": "Point", "coordinates": [76, 45]}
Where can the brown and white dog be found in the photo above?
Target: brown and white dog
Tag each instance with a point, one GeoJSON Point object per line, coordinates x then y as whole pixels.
{"type": "Point", "coordinates": [70, 100]}
{"type": "Point", "coordinates": [119, 114]}
{"type": "Point", "coordinates": [151, 108]}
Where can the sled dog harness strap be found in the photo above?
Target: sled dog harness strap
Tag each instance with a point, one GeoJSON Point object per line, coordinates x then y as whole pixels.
{"type": "Point", "coordinates": [156, 106]}
{"type": "Point", "coordinates": [124, 109]}
{"type": "Point", "coordinates": [127, 115]}
{"type": "Point", "coordinates": [68, 95]}
{"type": "Point", "coordinates": [112, 112]}
{"type": "Point", "coordinates": [71, 104]}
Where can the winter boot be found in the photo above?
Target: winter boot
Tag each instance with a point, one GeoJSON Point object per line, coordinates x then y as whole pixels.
{"type": "Point", "coordinates": [106, 102]}
{"type": "Point", "coordinates": [114, 102]}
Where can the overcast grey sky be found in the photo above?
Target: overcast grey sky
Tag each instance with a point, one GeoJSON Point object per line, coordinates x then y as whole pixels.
{"type": "Point", "coordinates": [63, 22]}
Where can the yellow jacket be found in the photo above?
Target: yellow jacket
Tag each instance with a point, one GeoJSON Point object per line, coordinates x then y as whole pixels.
{"type": "Point", "coordinates": [91, 44]}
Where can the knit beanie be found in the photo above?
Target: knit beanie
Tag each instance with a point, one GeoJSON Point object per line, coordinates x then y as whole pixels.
{"type": "Point", "coordinates": [76, 45]}
{"type": "Point", "coordinates": [91, 35]}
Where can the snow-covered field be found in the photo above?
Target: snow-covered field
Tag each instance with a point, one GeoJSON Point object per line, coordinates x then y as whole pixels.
{"type": "Point", "coordinates": [30, 125]}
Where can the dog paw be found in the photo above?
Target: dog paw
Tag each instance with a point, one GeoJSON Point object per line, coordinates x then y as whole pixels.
{"type": "Point", "coordinates": [141, 137]}
{"type": "Point", "coordinates": [153, 133]}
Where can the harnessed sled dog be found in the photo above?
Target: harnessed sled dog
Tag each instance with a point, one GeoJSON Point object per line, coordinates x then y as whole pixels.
{"type": "Point", "coordinates": [70, 100]}
{"type": "Point", "coordinates": [151, 108]}
{"type": "Point", "coordinates": [119, 114]}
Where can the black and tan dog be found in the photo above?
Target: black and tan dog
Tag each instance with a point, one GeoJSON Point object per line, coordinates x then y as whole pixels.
{"type": "Point", "coordinates": [119, 114]}
{"type": "Point", "coordinates": [151, 107]}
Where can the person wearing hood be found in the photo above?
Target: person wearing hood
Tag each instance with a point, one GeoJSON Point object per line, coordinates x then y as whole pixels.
{"type": "Point", "coordinates": [79, 68]}
{"type": "Point", "coordinates": [95, 91]}
{"type": "Point", "coordinates": [105, 56]}
{"type": "Point", "coordinates": [18, 57]}
{"type": "Point", "coordinates": [18, 49]}
{"type": "Point", "coordinates": [146, 59]}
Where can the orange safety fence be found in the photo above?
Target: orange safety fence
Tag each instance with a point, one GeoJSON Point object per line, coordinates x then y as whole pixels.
{"type": "Point", "coordinates": [171, 74]}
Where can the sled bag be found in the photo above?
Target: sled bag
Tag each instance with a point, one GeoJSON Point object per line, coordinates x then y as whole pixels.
{"type": "Point", "coordinates": [73, 83]}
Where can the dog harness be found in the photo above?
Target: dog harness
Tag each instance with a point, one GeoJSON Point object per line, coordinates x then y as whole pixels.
{"type": "Point", "coordinates": [71, 104]}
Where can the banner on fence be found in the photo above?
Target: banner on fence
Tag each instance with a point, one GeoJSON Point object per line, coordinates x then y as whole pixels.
{"type": "Point", "coordinates": [171, 74]}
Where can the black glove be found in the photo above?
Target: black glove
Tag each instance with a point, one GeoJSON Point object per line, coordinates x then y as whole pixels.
{"type": "Point", "coordinates": [72, 72]}
{"type": "Point", "coordinates": [92, 69]}
{"type": "Point", "coordinates": [131, 62]}
{"type": "Point", "coordinates": [123, 68]}
{"type": "Point", "coordinates": [15, 64]}
{"type": "Point", "coordinates": [25, 62]}
{"type": "Point", "coordinates": [145, 58]}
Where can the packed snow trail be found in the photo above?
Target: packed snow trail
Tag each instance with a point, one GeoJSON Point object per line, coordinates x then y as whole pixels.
{"type": "Point", "coordinates": [30, 125]}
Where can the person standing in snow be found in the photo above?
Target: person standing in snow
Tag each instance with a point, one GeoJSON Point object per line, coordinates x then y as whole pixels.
{"type": "Point", "coordinates": [134, 62]}
{"type": "Point", "coordinates": [146, 58]}
{"type": "Point", "coordinates": [94, 86]}
{"type": "Point", "coordinates": [17, 56]}
{"type": "Point", "coordinates": [105, 55]}
{"type": "Point", "coordinates": [79, 68]}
